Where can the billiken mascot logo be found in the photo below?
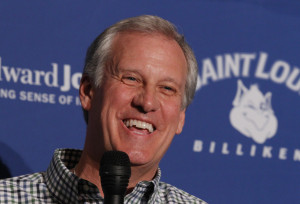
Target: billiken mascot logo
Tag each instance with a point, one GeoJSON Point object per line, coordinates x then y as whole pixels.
{"type": "Point", "coordinates": [252, 114]}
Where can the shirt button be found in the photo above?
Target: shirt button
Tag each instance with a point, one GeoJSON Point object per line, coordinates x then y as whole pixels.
{"type": "Point", "coordinates": [85, 188]}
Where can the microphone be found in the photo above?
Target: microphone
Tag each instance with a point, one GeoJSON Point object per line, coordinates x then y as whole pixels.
{"type": "Point", "coordinates": [115, 173]}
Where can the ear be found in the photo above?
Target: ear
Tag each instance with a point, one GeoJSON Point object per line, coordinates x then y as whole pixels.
{"type": "Point", "coordinates": [181, 121]}
{"type": "Point", "coordinates": [268, 97]}
{"type": "Point", "coordinates": [86, 92]}
{"type": "Point", "coordinates": [241, 90]}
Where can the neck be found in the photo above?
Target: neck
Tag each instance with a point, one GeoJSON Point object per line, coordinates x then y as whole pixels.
{"type": "Point", "coordinates": [140, 173]}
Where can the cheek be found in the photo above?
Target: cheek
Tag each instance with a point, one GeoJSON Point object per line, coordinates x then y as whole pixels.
{"type": "Point", "coordinates": [171, 112]}
{"type": "Point", "coordinates": [119, 96]}
{"type": "Point", "coordinates": [116, 99]}
{"type": "Point", "coordinates": [113, 91]}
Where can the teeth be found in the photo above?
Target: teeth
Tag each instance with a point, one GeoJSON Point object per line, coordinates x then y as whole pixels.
{"type": "Point", "coordinates": [139, 124]}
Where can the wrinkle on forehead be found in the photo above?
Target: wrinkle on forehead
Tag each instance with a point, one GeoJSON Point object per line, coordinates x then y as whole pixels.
{"type": "Point", "coordinates": [119, 41]}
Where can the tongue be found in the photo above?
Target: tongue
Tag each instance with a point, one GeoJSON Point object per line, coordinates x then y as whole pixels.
{"type": "Point", "coordinates": [135, 129]}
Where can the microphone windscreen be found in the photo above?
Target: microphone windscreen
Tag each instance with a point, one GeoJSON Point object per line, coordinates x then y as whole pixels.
{"type": "Point", "coordinates": [115, 158]}
{"type": "Point", "coordinates": [115, 172]}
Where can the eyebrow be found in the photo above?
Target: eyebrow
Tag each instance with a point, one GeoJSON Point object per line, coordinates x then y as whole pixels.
{"type": "Point", "coordinates": [131, 69]}
{"type": "Point", "coordinates": [171, 80]}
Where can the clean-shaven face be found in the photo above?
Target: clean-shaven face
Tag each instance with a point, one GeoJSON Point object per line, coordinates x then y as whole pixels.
{"type": "Point", "coordinates": [138, 107]}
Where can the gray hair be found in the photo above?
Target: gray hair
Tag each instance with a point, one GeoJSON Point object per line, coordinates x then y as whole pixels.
{"type": "Point", "coordinates": [100, 53]}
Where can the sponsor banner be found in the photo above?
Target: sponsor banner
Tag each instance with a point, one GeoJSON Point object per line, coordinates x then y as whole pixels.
{"type": "Point", "coordinates": [59, 86]}
{"type": "Point", "coordinates": [251, 114]}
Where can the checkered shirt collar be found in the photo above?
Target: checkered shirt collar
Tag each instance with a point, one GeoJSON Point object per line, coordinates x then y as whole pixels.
{"type": "Point", "coordinates": [68, 188]}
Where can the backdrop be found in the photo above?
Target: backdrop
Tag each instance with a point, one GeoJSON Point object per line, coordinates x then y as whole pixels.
{"type": "Point", "coordinates": [240, 143]}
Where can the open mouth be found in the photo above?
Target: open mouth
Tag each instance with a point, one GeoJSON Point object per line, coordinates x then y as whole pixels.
{"type": "Point", "coordinates": [139, 125]}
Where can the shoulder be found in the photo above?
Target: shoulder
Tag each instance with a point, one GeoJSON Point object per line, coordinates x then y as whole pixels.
{"type": "Point", "coordinates": [172, 194]}
{"type": "Point", "coordinates": [25, 188]}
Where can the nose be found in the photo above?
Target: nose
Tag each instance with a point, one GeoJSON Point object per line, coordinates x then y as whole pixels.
{"type": "Point", "coordinates": [146, 100]}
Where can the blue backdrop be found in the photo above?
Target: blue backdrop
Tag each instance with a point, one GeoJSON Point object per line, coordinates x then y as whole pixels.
{"type": "Point", "coordinates": [240, 142]}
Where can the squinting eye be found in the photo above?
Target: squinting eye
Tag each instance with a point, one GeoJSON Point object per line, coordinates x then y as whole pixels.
{"type": "Point", "coordinates": [131, 78]}
{"type": "Point", "coordinates": [263, 107]}
{"type": "Point", "coordinates": [168, 90]}
{"type": "Point", "coordinates": [251, 106]}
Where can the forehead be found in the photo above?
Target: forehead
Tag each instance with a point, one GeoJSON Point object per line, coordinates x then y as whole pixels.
{"type": "Point", "coordinates": [144, 47]}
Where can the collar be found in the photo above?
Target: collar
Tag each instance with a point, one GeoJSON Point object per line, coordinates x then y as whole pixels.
{"type": "Point", "coordinates": [66, 187]}
{"type": "Point", "coordinates": [61, 182]}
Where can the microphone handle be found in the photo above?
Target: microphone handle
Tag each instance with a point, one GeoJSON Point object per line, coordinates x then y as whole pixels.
{"type": "Point", "coordinates": [113, 199]}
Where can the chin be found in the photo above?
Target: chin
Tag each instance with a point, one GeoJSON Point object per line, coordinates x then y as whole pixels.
{"type": "Point", "coordinates": [139, 157]}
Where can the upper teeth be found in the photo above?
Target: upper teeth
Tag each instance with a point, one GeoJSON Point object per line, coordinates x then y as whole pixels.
{"type": "Point", "coordinates": [139, 124]}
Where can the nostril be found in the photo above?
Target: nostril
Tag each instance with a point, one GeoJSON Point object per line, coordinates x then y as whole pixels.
{"type": "Point", "coordinates": [141, 109]}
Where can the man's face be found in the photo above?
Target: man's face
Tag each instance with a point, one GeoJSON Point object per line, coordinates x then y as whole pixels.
{"type": "Point", "coordinates": [138, 108]}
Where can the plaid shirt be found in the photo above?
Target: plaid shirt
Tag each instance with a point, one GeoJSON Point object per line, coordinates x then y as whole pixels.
{"type": "Point", "coordinates": [59, 185]}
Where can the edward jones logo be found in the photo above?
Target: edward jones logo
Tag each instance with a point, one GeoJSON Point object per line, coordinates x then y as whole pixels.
{"type": "Point", "coordinates": [49, 80]}
{"type": "Point", "coordinates": [251, 112]}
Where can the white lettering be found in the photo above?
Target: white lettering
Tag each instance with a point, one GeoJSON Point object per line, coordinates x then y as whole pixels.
{"type": "Point", "coordinates": [220, 66]}
{"type": "Point", "coordinates": [37, 97]}
{"type": "Point", "coordinates": [11, 73]}
{"type": "Point", "coordinates": [0, 69]}
{"type": "Point", "coordinates": [225, 148]}
{"type": "Point", "coordinates": [198, 146]}
{"type": "Point", "coordinates": [65, 100]}
{"type": "Point", "coordinates": [246, 65]}
{"type": "Point", "coordinates": [297, 155]}
{"type": "Point", "coordinates": [252, 150]}
{"type": "Point", "coordinates": [208, 72]}
{"type": "Point", "coordinates": [282, 153]}
{"type": "Point", "coordinates": [67, 77]}
{"type": "Point", "coordinates": [38, 75]}
{"type": "Point", "coordinates": [7, 93]}
{"type": "Point", "coordinates": [212, 147]}
{"type": "Point", "coordinates": [267, 152]}
{"type": "Point", "coordinates": [290, 83]}
{"type": "Point", "coordinates": [279, 71]}
{"type": "Point", "coordinates": [76, 80]}
{"type": "Point", "coordinates": [26, 77]}
{"type": "Point", "coordinates": [232, 65]}
{"type": "Point", "coordinates": [77, 101]}
{"type": "Point", "coordinates": [261, 66]}
{"type": "Point", "coordinates": [52, 75]}
{"type": "Point", "coordinates": [239, 150]}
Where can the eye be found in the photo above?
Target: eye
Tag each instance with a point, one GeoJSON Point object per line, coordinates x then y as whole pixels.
{"type": "Point", "coordinates": [130, 80]}
{"type": "Point", "coordinates": [168, 90]}
{"type": "Point", "coordinates": [263, 106]}
{"type": "Point", "coordinates": [251, 106]}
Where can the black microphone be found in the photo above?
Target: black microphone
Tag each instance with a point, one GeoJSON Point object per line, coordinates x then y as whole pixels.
{"type": "Point", "coordinates": [115, 173]}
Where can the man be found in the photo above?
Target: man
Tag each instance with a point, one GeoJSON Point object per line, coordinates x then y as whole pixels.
{"type": "Point", "coordinates": [139, 78]}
